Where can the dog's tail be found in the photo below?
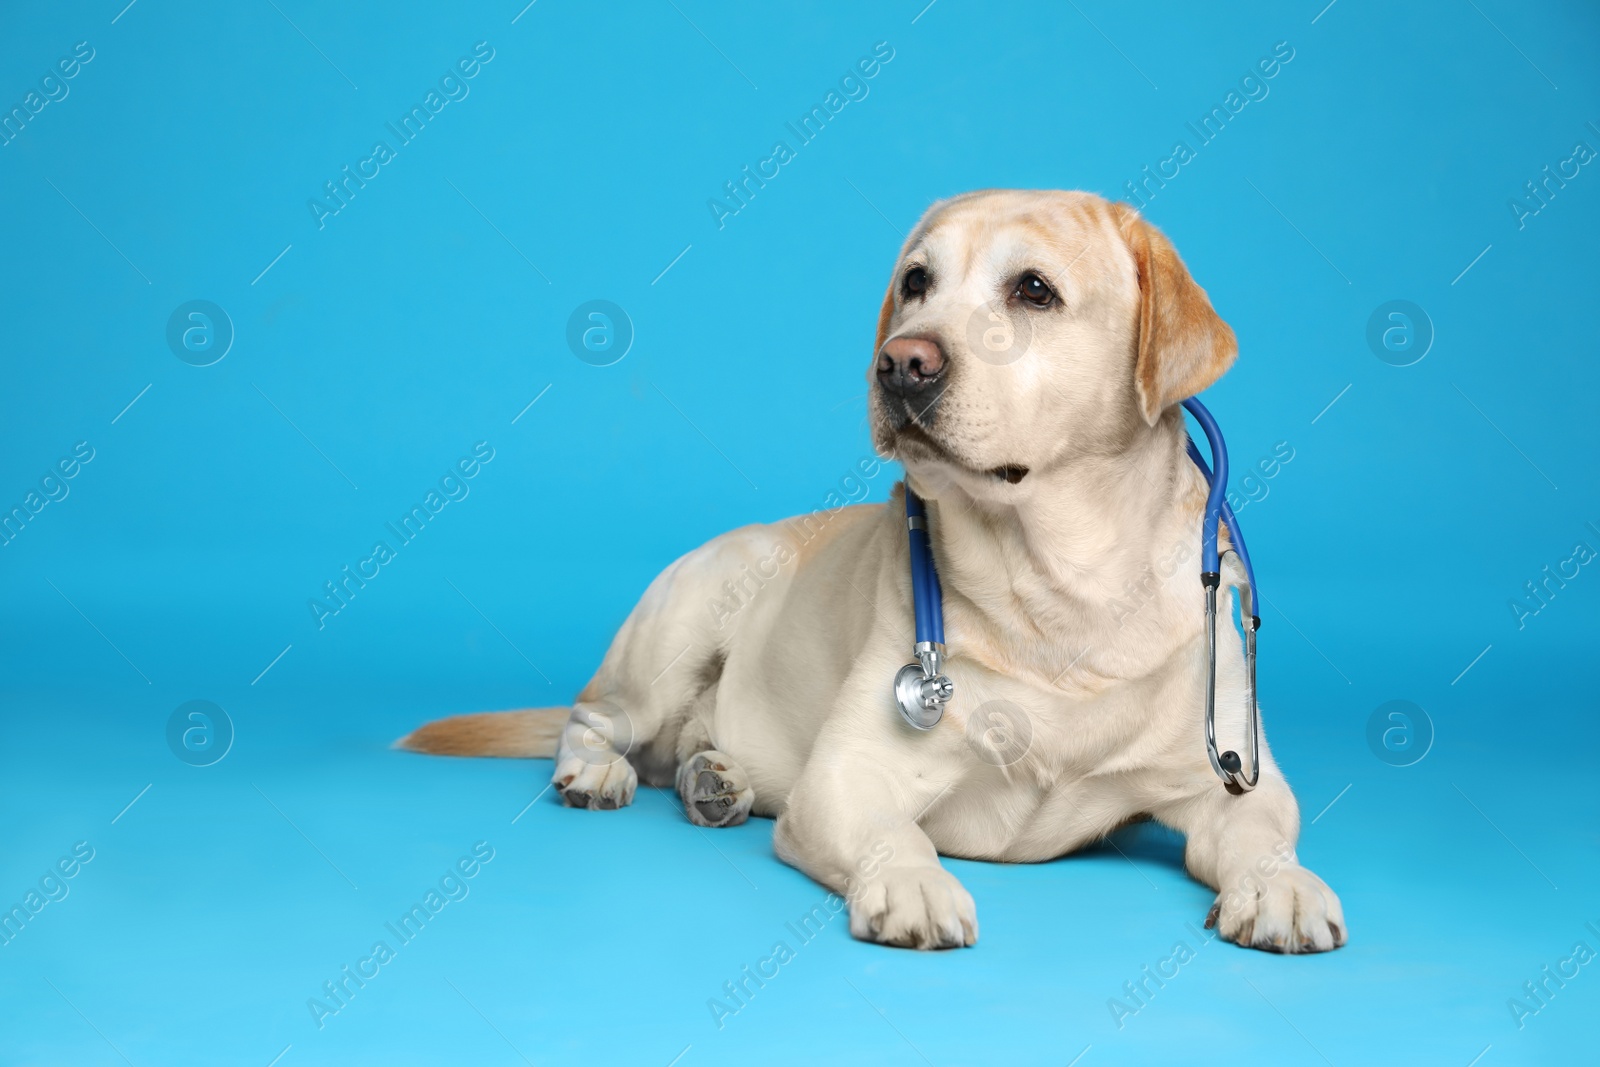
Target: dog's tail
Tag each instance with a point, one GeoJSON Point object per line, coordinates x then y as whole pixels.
{"type": "Point", "coordinates": [530, 733]}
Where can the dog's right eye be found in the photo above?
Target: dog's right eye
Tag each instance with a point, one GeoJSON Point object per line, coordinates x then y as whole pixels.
{"type": "Point", "coordinates": [915, 282]}
{"type": "Point", "coordinates": [1035, 290]}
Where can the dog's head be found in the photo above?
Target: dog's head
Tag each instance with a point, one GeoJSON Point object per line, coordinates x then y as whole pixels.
{"type": "Point", "coordinates": [1023, 329]}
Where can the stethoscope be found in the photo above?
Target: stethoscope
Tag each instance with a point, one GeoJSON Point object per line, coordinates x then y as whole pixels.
{"type": "Point", "coordinates": [921, 689]}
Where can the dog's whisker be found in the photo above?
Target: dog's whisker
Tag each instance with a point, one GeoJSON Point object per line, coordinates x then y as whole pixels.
{"type": "Point", "coordinates": [848, 399]}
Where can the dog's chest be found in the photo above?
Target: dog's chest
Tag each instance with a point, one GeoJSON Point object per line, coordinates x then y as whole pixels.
{"type": "Point", "coordinates": [1045, 772]}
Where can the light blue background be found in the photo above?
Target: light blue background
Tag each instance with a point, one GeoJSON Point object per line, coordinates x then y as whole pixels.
{"type": "Point", "coordinates": [429, 312]}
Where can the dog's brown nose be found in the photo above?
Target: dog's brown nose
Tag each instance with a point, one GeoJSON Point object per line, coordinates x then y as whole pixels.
{"type": "Point", "coordinates": [910, 366]}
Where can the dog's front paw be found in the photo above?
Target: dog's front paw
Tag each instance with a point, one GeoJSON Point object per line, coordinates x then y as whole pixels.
{"type": "Point", "coordinates": [915, 907]}
{"type": "Point", "coordinates": [1289, 910]}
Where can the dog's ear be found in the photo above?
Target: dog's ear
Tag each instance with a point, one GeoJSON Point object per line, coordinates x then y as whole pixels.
{"type": "Point", "coordinates": [1184, 346]}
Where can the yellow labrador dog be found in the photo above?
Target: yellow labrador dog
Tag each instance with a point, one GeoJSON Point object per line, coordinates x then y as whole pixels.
{"type": "Point", "coordinates": [1032, 351]}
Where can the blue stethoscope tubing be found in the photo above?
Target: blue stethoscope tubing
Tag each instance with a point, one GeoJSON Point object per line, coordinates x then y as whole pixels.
{"type": "Point", "coordinates": [921, 689]}
{"type": "Point", "coordinates": [927, 595]}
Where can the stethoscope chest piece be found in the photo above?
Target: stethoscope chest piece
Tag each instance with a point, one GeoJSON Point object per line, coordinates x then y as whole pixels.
{"type": "Point", "coordinates": [921, 690]}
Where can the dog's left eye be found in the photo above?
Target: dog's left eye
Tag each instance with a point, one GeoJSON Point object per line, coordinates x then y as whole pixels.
{"type": "Point", "coordinates": [1035, 290]}
{"type": "Point", "coordinates": [915, 282]}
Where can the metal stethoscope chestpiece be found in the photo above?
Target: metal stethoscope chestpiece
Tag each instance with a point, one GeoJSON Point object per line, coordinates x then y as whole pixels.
{"type": "Point", "coordinates": [921, 689]}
